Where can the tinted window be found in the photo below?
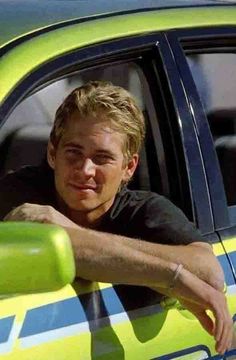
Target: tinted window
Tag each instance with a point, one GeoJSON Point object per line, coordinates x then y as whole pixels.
{"type": "Point", "coordinates": [215, 78]}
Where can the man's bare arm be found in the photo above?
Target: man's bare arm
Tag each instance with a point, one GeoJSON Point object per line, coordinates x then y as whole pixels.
{"type": "Point", "coordinates": [114, 262]}
{"type": "Point", "coordinates": [111, 258]}
{"type": "Point", "coordinates": [190, 256]}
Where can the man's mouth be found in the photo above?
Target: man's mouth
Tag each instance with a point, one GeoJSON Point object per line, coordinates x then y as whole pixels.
{"type": "Point", "coordinates": [83, 187]}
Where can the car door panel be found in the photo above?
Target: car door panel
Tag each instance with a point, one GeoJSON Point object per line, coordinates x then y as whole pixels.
{"type": "Point", "coordinates": [75, 326]}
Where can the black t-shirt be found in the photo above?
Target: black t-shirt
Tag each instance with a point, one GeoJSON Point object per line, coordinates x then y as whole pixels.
{"type": "Point", "coordinates": [148, 216]}
{"type": "Point", "coordinates": [136, 214]}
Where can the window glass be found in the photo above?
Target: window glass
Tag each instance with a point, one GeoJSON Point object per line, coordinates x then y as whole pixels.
{"type": "Point", "coordinates": [215, 78]}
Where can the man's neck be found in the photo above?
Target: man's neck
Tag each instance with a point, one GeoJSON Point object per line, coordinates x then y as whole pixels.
{"type": "Point", "coordinates": [88, 219]}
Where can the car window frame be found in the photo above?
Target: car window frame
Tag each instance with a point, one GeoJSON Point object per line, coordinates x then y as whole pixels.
{"type": "Point", "coordinates": [200, 200]}
{"type": "Point", "coordinates": [165, 76]}
{"type": "Point", "coordinates": [197, 41]}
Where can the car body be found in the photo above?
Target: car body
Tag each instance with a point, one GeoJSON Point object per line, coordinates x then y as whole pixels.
{"type": "Point", "coordinates": [155, 49]}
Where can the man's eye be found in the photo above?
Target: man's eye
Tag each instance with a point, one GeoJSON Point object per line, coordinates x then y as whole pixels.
{"type": "Point", "coordinates": [102, 159]}
{"type": "Point", "coordinates": [73, 152]}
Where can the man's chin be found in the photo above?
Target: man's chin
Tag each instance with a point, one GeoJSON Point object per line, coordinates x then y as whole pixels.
{"type": "Point", "coordinates": [81, 205]}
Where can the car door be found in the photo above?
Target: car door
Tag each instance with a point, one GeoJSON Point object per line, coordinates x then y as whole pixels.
{"type": "Point", "coordinates": [96, 320]}
{"type": "Point", "coordinates": [207, 63]}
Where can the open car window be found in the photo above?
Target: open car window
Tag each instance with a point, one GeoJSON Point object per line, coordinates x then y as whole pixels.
{"type": "Point", "coordinates": [23, 138]}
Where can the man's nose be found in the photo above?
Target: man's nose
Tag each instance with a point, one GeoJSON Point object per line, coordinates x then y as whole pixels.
{"type": "Point", "coordinates": [87, 167]}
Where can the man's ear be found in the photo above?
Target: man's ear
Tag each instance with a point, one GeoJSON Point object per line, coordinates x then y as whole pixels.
{"type": "Point", "coordinates": [51, 155]}
{"type": "Point", "coordinates": [130, 167]}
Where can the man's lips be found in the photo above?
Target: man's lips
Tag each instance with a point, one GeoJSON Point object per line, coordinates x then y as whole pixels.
{"type": "Point", "coordinates": [83, 187]}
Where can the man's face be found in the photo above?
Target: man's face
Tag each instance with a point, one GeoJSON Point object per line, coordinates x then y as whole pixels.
{"type": "Point", "coordinates": [89, 164]}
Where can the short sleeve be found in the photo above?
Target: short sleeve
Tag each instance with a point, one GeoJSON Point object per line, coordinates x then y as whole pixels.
{"type": "Point", "coordinates": [160, 221]}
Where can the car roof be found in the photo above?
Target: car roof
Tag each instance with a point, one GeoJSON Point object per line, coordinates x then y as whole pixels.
{"type": "Point", "coordinates": [19, 17]}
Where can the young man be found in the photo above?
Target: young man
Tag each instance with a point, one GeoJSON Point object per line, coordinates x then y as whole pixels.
{"type": "Point", "coordinates": [118, 236]}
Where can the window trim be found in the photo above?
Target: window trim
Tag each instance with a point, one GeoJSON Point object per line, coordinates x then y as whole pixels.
{"type": "Point", "coordinates": [108, 52]}
{"type": "Point", "coordinates": [89, 55]}
{"type": "Point", "coordinates": [124, 49]}
{"type": "Point", "coordinates": [181, 43]}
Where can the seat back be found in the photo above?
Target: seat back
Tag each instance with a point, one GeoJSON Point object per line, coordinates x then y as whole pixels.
{"type": "Point", "coordinates": [25, 146]}
{"type": "Point", "coordinates": [226, 151]}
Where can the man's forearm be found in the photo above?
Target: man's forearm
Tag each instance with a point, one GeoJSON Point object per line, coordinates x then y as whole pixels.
{"type": "Point", "coordinates": [196, 257]}
{"type": "Point", "coordinates": [189, 255]}
{"type": "Point", "coordinates": [99, 258]}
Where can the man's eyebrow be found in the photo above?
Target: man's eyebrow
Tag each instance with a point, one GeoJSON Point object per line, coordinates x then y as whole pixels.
{"type": "Point", "coordinates": [100, 151]}
{"type": "Point", "coordinates": [104, 152]}
{"type": "Point", "coordinates": [73, 144]}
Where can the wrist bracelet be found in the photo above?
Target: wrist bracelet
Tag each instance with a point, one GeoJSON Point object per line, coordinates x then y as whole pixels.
{"type": "Point", "coordinates": [176, 275]}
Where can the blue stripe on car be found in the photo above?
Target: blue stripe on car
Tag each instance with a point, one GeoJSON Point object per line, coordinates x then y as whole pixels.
{"type": "Point", "coordinates": [53, 316]}
{"type": "Point", "coordinates": [196, 349]}
{"type": "Point", "coordinates": [227, 355]}
{"type": "Point", "coordinates": [70, 312]}
{"type": "Point", "coordinates": [112, 301]}
{"type": "Point", "coordinates": [229, 279]}
{"type": "Point", "coordinates": [184, 352]}
{"type": "Point", "coordinates": [6, 325]}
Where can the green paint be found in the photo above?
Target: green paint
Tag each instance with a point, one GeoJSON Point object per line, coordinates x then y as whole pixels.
{"type": "Point", "coordinates": [19, 62]}
{"type": "Point", "coordinates": [34, 258]}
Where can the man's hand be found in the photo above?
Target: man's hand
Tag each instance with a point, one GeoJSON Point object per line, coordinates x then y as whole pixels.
{"type": "Point", "coordinates": [221, 329]}
{"type": "Point", "coordinates": [198, 297]}
{"type": "Point", "coordinates": [39, 213]}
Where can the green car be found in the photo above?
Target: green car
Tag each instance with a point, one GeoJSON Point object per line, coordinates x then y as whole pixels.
{"type": "Point", "coordinates": [178, 58]}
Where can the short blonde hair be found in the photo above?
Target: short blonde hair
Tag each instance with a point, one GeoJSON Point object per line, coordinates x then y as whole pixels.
{"type": "Point", "coordinates": [116, 103]}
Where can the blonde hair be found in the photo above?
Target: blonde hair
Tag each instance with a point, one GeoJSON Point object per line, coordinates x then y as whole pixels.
{"type": "Point", "coordinates": [116, 103]}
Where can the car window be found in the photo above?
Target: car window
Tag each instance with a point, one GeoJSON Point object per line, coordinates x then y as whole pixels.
{"type": "Point", "coordinates": [215, 77]}
{"type": "Point", "coordinates": [29, 125]}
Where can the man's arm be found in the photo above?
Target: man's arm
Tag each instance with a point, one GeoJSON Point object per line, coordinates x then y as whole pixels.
{"type": "Point", "coordinates": [190, 256]}
{"type": "Point", "coordinates": [105, 259]}
{"type": "Point", "coordinates": [112, 258]}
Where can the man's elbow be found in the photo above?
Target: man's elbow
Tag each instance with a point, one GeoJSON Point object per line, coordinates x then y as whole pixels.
{"type": "Point", "coordinates": [215, 275]}
{"type": "Point", "coordinates": [218, 280]}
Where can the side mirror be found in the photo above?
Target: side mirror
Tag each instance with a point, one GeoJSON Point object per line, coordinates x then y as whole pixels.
{"type": "Point", "coordinates": [34, 258]}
